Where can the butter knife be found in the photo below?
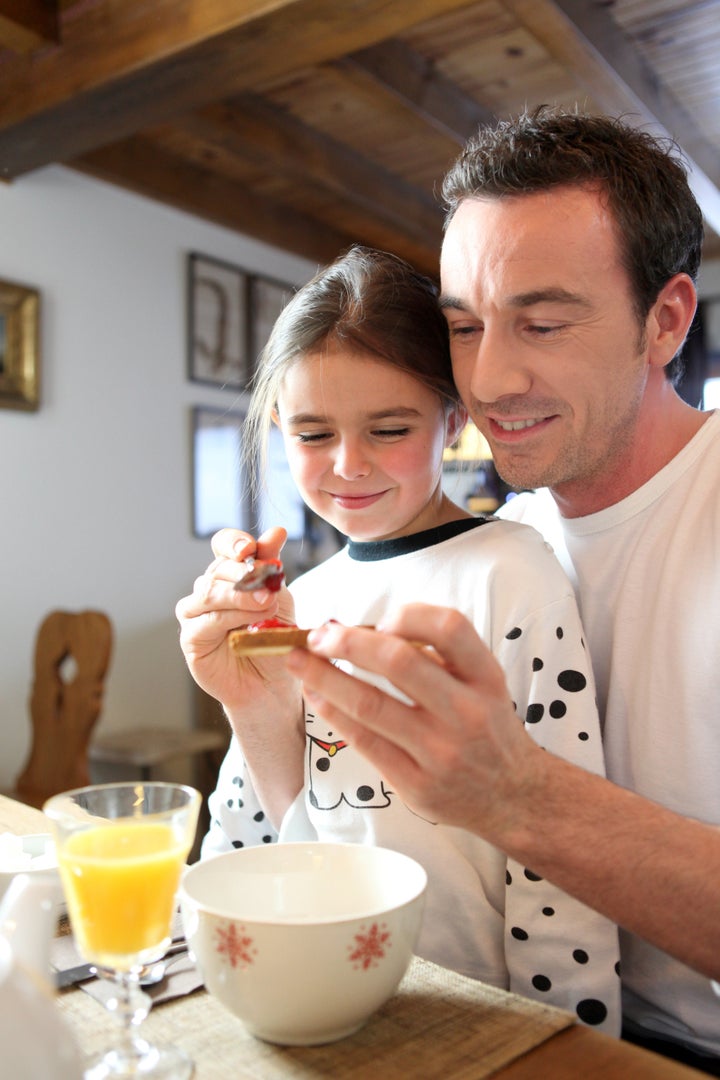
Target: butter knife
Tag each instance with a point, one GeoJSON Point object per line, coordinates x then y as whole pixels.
{"type": "Point", "coordinates": [74, 976]}
{"type": "Point", "coordinates": [80, 973]}
{"type": "Point", "coordinates": [261, 574]}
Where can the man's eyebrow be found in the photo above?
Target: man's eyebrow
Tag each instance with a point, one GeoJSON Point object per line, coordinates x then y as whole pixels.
{"type": "Point", "coordinates": [451, 302]}
{"type": "Point", "coordinates": [552, 295]}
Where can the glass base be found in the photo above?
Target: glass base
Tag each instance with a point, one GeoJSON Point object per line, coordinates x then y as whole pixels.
{"type": "Point", "coordinates": [156, 1062]}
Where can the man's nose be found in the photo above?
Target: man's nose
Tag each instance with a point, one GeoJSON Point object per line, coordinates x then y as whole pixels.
{"type": "Point", "coordinates": [499, 367]}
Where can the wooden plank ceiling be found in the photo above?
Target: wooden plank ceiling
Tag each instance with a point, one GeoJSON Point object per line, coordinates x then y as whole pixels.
{"type": "Point", "coordinates": [313, 124]}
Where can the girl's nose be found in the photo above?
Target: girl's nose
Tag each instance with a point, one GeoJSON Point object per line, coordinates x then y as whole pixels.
{"type": "Point", "coordinates": [351, 461]}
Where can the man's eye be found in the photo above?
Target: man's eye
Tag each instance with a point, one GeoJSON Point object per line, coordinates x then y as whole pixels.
{"type": "Point", "coordinates": [463, 331]}
{"type": "Point", "coordinates": [544, 331]}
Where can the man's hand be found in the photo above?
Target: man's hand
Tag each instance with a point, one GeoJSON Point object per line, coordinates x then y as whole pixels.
{"type": "Point", "coordinates": [458, 754]}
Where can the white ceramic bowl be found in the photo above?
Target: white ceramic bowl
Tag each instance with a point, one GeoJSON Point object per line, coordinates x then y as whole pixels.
{"type": "Point", "coordinates": [303, 941]}
{"type": "Point", "coordinates": [27, 855]}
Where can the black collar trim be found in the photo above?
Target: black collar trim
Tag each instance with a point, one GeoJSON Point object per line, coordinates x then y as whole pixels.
{"type": "Point", "coordinates": [374, 550]}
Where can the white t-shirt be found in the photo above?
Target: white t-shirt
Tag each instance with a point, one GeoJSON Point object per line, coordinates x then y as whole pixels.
{"type": "Point", "coordinates": [485, 915]}
{"type": "Point", "coordinates": [647, 575]}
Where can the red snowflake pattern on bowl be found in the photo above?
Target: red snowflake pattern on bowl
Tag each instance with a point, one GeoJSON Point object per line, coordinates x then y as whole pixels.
{"type": "Point", "coordinates": [370, 946]}
{"type": "Point", "coordinates": [235, 945]}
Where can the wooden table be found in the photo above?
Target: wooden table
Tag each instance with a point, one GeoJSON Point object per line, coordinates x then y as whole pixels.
{"type": "Point", "coordinates": [576, 1051]}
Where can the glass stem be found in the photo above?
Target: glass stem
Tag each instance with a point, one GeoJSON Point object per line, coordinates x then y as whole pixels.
{"type": "Point", "coordinates": [131, 1006]}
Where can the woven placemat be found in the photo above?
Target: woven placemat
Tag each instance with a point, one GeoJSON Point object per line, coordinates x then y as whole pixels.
{"type": "Point", "coordinates": [182, 976]}
{"type": "Point", "coordinates": [438, 1024]}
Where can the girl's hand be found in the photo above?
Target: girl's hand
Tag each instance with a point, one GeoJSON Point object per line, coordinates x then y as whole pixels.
{"type": "Point", "coordinates": [262, 700]}
{"type": "Point", "coordinates": [215, 607]}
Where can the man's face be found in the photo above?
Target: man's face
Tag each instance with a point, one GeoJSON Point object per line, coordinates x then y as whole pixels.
{"type": "Point", "coordinates": [546, 345]}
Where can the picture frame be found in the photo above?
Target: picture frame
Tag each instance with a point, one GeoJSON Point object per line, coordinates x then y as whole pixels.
{"type": "Point", "coordinates": [709, 311]}
{"type": "Point", "coordinates": [217, 312]}
{"type": "Point", "coordinates": [279, 501]}
{"type": "Point", "coordinates": [711, 317]}
{"type": "Point", "coordinates": [19, 347]}
{"type": "Point", "coordinates": [220, 494]}
{"type": "Point", "coordinates": [267, 298]}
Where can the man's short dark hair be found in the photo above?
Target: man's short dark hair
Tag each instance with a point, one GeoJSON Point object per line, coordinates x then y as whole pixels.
{"type": "Point", "coordinates": [643, 178]}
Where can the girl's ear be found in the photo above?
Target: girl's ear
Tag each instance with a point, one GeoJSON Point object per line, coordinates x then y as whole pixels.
{"type": "Point", "coordinates": [275, 417]}
{"type": "Point", "coordinates": [456, 420]}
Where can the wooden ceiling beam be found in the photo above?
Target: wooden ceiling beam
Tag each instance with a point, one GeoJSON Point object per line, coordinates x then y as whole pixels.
{"type": "Point", "coordinates": [124, 66]}
{"type": "Point", "coordinates": [416, 82]}
{"type": "Point", "coordinates": [586, 40]}
{"type": "Point", "coordinates": [271, 138]}
{"type": "Point", "coordinates": [138, 165]}
{"type": "Point", "coordinates": [26, 25]}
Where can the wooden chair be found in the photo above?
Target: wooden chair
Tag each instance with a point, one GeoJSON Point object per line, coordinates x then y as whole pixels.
{"type": "Point", "coordinates": [72, 656]}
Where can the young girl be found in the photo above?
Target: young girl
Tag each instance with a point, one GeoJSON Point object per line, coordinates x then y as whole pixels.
{"type": "Point", "coordinates": [357, 376]}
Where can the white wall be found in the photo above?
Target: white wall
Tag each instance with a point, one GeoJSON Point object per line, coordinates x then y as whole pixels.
{"type": "Point", "coordinates": [95, 486]}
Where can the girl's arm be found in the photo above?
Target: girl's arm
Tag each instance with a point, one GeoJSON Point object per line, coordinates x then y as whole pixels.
{"type": "Point", "coordinates": [261, 699]}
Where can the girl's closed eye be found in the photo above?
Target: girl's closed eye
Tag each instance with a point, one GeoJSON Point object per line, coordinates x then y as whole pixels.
{"type": "Point", "coordinates": [312, 436]}
{"type": "Point", "coordinates": [391, 433]}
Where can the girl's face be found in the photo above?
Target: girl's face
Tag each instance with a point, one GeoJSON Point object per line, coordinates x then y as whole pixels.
{"type": "Point", "coordinates": [364, 443]}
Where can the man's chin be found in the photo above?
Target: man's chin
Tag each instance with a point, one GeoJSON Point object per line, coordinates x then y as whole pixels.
{"type": "Point", "coordinates": [522, 476]}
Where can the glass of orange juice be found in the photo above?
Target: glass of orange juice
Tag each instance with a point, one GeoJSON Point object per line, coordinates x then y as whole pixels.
{"type": "Point", "coordinates": [121, 849]}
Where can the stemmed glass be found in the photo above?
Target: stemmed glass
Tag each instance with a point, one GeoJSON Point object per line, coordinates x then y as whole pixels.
{"type": "Point", "coordinates": [121, 850]}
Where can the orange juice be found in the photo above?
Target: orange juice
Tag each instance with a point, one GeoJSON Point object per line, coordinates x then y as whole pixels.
{"type": "Point", "coordinates": [120, 882]}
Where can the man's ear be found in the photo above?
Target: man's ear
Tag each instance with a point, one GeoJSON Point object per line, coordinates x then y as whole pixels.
{"type": "Point", "coordinates": [670, 319]}
{"type": "Point", "coordinates": [457, 418]}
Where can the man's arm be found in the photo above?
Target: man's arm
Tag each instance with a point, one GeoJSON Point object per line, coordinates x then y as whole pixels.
{"type": "Point", "coordinates": [460, 755]}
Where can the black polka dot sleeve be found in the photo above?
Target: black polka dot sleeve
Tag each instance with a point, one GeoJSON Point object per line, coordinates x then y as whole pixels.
{"type": "Point", "coordinates": [236, 817]}
{"type": "Point", "coordinates": [555, 945]}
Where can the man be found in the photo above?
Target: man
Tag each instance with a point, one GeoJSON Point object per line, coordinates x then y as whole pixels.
{"type": "Point", "coordinates": [572, 245]}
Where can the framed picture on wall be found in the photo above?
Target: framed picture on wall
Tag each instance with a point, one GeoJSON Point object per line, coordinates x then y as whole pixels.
{"type": "Point", "coordinates": [266, 301]}
{"type": "Point", "coordinates": [279, 502]}
{"type": "Point", "coordinates": [711, 319]}
{"type": "Point", "coordinates": [217, 305]}
{"type": "Point", "coordinates": [222, 495]}
{"type": "Point", "coordinates": [219, 489]}
{"type": "Point", "coordinates": [19, 347]}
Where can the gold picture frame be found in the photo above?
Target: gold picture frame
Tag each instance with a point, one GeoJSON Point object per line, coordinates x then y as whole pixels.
{"type": "Point", "coordinates": [19, 347]}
